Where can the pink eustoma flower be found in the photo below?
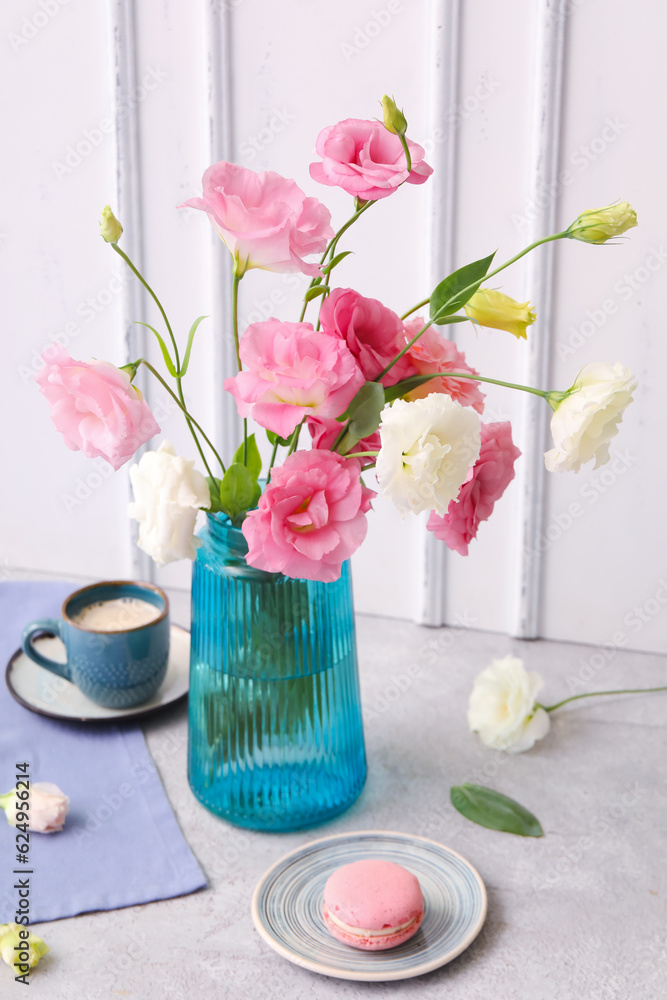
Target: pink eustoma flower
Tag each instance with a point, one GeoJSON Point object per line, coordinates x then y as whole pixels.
{"type": "Point", "coordinates": [434, 353]}
{"type": "Point", "coordinates": [311, 517]}
{"type": "Point", "coordinates": [366, 160]}
{"type": "Point", "coordinates": [265, 220]}
{"type": "Point", "coordinates": [372, 332]}
{"type": "Point", "coordinates": [291, 371]}
{"type": "Point", "coordinates": [487, 481]}
{"type": "Point", "coordinates": [95, 407]}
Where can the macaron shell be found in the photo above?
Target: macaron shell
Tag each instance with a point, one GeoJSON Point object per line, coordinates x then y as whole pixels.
{"type": "Point", "coordinates": [373, 894]}
{"type": "Point", "coordinates": [375, 943]}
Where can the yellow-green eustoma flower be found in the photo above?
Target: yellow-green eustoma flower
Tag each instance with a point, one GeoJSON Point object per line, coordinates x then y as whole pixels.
{"type": "Point", "coordinates": [491, 308]}
{"type": "Point", "coordinates": [20, 948]}
{"type": "Point", "coordinates": [110, 228]}
{"type": "Point", "coordinates": [601, 224]}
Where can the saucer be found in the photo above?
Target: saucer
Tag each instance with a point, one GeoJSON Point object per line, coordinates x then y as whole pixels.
{"type": "Point", "coordinates": [287, 906]}
{"type": "Point", "coordinates": [47, 694]}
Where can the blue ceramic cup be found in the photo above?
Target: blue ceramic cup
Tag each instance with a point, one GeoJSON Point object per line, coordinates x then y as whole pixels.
{"type": "Point", "coordinates": [117, 667]}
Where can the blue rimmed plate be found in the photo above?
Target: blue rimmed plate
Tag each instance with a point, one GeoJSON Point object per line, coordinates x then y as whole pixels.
{"type": "Point", "coordinates": [287, 906]}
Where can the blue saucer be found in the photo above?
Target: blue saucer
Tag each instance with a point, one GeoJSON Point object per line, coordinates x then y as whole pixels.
{"type": "Point", "coordinates": [287, 906]}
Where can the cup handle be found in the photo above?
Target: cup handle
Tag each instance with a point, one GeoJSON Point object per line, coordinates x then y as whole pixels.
{"type": "Point", "coordinates": [44, 625]}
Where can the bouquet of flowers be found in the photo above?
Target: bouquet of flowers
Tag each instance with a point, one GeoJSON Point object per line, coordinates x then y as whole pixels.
{"type": "Point", "coordinates": [373, 389]}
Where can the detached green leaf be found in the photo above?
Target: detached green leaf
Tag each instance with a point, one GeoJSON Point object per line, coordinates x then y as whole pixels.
{"type": "Point", "coordinates": [254, 463]}
{"type": "Point", "coordinates": [449, 295]}
{"type": "Point", "coordinates": [335, 262]}
{"type": "Point", "coordinates": [188, 348]}
{"type": "Point", "coordinates": [493, 810]}
{"type": "Point", "coordinates": [239, 492]}
{"type": "Point", "coordinates": [214, 490]}
{"type": "Point", "coordinates": [364, 410]}
{"type": "Point", "coordinates": [316, 290]}
{"type": "Point", "coordinates": [163, 347]}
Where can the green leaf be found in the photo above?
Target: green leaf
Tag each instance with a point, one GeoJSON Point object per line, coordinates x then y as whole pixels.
{"type": "Point", "coordinates": [364, 410]}
{"type": "Point", "coordinates": [254, 459]}
{"type": "Point", "coordinates": [191, 337]}
{"type": "Point", "coordinates": [335, 262]}
{"type": "Point", "coordinates": [449, 295]}
{"type": "Point", "coordinates": [493, 810]}
{"type": "Point", "coordinates": [214, 490]}
{"type": "Point", "coordinates": [171, 368]}
{"type": "Point", "coordinates": [274, 437]}
{"type": "Point", "coordinates": [239, 492]}
{"type": "Point", "coordinates": [316, 290]}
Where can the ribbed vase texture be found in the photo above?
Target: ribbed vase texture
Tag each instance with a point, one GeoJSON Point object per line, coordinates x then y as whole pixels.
{"type": "Point", "coordinates": [275, 728]}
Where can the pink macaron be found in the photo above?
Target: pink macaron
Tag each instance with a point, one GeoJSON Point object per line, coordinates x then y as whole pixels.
{"type": "Point", "coordinates": [373, 905]}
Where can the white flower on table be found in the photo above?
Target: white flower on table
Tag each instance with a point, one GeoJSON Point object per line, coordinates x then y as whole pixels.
{"type": "Point", "coordinates": [46, 807]}
{"type": "Point", "coordinates": [502, 708]}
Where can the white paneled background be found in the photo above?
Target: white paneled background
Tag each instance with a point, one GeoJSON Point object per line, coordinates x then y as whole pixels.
{"type": "Point", "coordinates": [530, 113]}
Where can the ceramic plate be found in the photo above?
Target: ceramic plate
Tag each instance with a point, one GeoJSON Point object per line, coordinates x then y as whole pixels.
{"type": "Point", "coordinates": [47, 694]}
{"type": "Point", "coordinates": [287, 906]}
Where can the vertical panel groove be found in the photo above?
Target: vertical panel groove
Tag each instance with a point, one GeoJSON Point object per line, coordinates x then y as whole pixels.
{"type": "Point", "coordinates": [443, 88]}
{"type": "Point", "coordinates": [534, 414]}
{"type": "Point", "coordinates": [220, 138]}
{"type": "Point", "coordinates": [128, 209]}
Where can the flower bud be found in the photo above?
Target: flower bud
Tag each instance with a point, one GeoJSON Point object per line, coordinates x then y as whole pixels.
{"type": "Point", "coordinates": [13, 947]}
{"type": "Point", "coordinates": [47, 810]}
{"type": "Point", "coordinates": [601, 224]}
{"type": "Point", "coordinates": [490, 308]}
{"type": "Point", "coordinates": [110, 228]}
{"type": "Point", "coordinates": [394, 120]}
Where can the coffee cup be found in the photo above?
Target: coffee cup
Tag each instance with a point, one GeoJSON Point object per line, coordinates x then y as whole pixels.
{"type": "Point", "coordinates": [116, 635]}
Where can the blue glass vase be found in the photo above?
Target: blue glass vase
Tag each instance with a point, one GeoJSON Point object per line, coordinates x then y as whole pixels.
{"type": "Point", "coordinates": [275, 726]}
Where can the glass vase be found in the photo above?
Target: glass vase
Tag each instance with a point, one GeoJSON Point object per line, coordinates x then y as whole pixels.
{"type": "Point", "coordinates": [275, 726]}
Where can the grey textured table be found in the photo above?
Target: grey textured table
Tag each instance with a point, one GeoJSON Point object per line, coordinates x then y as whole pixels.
{"type": "Point", "coordinates": [580, 913]}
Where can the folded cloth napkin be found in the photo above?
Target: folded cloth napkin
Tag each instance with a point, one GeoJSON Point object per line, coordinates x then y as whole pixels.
{"type": "Point", "coordinates": [121, 844]}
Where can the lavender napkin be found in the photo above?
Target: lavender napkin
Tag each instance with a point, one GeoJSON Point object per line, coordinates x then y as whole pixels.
{"type": "Point", "coordinates": [121, 844]}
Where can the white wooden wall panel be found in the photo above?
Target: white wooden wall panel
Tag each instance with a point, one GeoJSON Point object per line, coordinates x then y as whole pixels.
{"type": "Point", "coordinates": [604, 567]}
{"type": "Point", "coordinates": [59, 282]}
{"type": "Point", "coordinates": [256, 81]}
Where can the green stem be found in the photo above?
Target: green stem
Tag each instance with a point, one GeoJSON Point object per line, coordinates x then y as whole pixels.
{"type": "Point", "coordinates": [595, 694]}
{"type": "Point", "coordinates": [408, 158]}
{"type": "Point", "coordinates": [494, 381]}
{"type": "Point", "coordinates": [235, 317]}
{"type": "Point", "coordinates": [295, 439]}
{"type": "Point", "coordinates": [361, 454]}
{"type": "Point", "coordinates": [271, 463]}
{"type": "Point", "coordinates": [331, 249]}
{"type": "Point", "coordinates": [472, 287]}
{"type": "Point", "coordinates": [189, 418]}
{"type": "Point", "coordinates": [424, 302]}
{"type": "Point", "coordinates": [156, 300]}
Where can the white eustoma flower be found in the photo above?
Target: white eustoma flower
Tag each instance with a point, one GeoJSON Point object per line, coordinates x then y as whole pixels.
{"type": "Point", "coordinates": [502, 708]}
{"type": "Point", "coordinates": [46, 807]}
{"type": "Point", "coordinates": [168, 492]}
{"type": "Point", "coordinates": [584, 423]}
{"type": "Point", "coordinates": [428, 446]}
